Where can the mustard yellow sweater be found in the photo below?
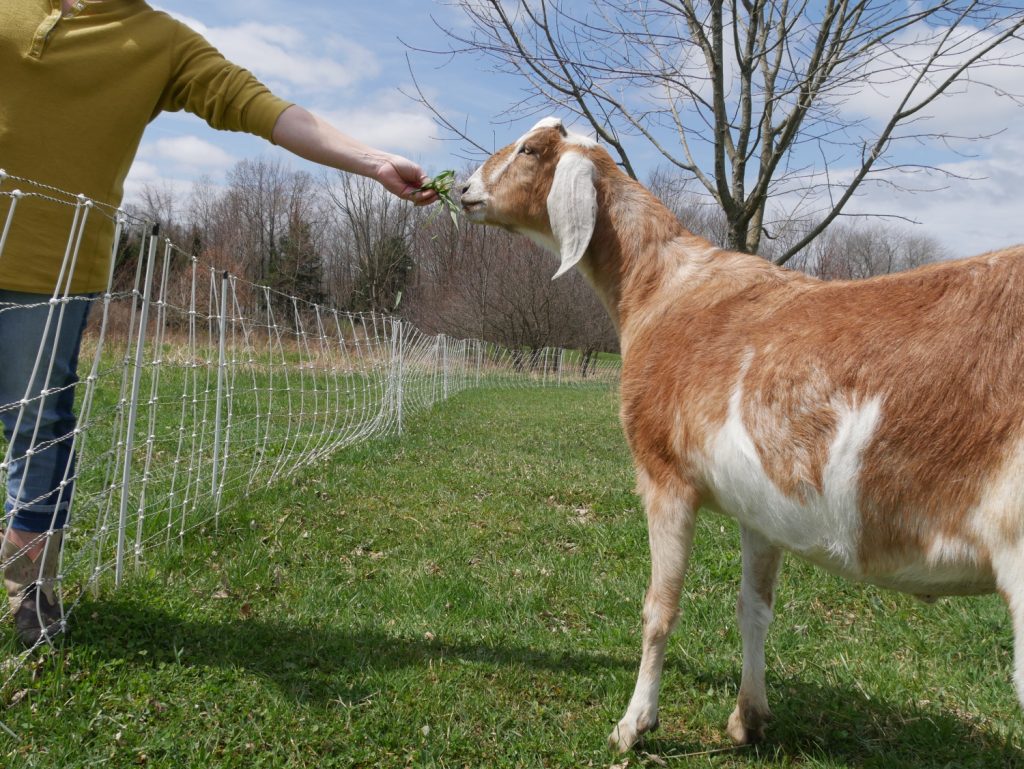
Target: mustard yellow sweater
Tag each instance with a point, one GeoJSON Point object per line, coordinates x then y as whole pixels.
{"type": "Point", "coordinates": [75, 96]}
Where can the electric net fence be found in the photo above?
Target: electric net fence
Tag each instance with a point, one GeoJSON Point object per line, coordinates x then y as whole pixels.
{"type": "Point", "coordinates": [196, 386]}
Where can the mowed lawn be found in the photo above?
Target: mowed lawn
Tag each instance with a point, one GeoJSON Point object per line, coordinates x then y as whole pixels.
{"type": "Point", "coordinates": [468, 595]}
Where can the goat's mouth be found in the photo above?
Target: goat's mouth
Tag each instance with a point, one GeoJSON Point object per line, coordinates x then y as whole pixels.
{"type": "Point", "coordinates": [473, 209]}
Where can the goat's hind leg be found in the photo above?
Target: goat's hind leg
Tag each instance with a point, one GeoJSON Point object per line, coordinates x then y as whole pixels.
{"type": "Point", "coordinates": [761, 562]}
{"type": "Point", "coordinates": [671, 513]}
{"type": "Point", "coordinates": [1008, 564]}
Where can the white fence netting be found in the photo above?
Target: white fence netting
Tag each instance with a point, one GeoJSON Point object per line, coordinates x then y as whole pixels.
{"type": "Point", "coordinates": [196, 385]}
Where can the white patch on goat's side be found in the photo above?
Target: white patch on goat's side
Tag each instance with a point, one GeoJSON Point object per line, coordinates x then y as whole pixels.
{"type": "Point", "coordinates": [960, 564]}
{"type": "Point", "coordinates": [999, 514]}
{"type": "Point", "coordinates": [822, 527]}
{"type": "Point", "coordinates": [946, 550]}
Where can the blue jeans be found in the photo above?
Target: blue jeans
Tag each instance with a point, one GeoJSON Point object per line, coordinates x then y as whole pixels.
{"type": "Point", "coordinates": [40, 474]}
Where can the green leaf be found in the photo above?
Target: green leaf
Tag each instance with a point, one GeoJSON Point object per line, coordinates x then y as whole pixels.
{"type": "Point", "coordinates": [442, 184]}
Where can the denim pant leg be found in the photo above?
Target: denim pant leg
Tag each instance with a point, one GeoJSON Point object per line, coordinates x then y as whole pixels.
{"type": "Point", "coordinates": [41, 460]}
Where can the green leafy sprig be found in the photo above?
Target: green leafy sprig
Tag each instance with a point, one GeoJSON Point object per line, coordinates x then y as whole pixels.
{"type": "Point", "coordinates": [442, 184]}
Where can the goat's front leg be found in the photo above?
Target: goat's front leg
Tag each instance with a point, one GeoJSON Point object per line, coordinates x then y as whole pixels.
{"type": "Point", "coordinates": [761, 562]}
{"type": "Point", "coordinates": [671, 513]}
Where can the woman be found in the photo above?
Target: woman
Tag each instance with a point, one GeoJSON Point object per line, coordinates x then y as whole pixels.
{"type": "Point", "coordinates": [82, 80]}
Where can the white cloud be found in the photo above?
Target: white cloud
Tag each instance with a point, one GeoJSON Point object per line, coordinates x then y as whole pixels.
{"type": "Point", "coordinates": [144, 174]}
{"type": "Point", "coordinates": [978, 213]}
{"type": "Point", "coordinates": [387, 123]}
{"type": "Point", "coordinates": [173, 163]}
{"type": "Point", "coordinates": [975, 105]}
{"type": "Point", "coordinates": [189, 151]}
{"type": "Point", "coordinates": [282, 56]}
{"type": "Point", "coordinates": [968, 205]}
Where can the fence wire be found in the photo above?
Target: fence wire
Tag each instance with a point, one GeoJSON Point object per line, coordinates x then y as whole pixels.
{"type": "Point", "coordinates": [197, 386]}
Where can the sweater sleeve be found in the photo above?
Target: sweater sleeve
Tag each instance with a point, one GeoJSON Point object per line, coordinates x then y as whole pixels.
{"type": "Point", "coordinates": [226, 96]}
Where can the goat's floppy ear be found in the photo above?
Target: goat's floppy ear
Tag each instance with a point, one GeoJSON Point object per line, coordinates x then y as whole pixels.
{"type": "Point", "coordinates": [572, 208]}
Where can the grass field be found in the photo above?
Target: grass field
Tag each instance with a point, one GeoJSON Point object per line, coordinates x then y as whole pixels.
{"type": "Point", "coordinates": [469, 596]}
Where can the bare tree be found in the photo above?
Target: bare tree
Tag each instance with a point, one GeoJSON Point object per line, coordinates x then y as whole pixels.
{"type": "Point", "coordinates": [490, 284]}
{"type": "Point", "coordinates": [697, 212]}
{"type": "Point", "coordinates": [846, 252]}
{"type": "Point", "coordinates": [160, 204]}
{"type": "Point", "coordinates": [373, 262]}
{"type": "Point", "coordinates": [749, 97]}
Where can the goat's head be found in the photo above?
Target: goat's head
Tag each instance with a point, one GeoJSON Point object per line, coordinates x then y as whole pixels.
{"type": "Point", "coordinates": [541, 186]}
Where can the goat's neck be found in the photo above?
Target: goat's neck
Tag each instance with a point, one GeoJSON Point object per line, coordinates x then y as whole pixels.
{"type": "Point", "coordinates": [640, 257]}
{"type": "Point", "coordinates": [633, 252]}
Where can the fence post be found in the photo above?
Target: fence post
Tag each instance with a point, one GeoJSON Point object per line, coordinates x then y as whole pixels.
{"type": "Point", "coordinates": [398, 352]}
{"type": "Point", "coordinates": [437, 363]}
{"type": "Point", "coordinates": [444, 367]}
{"type": "Point", "coordinates": [221, 365]}
{"type": "Point", "coordinates": [16, 195]}
{"type": "Point", "coordinates": [154, 394]}
{"type": "Point", "coordinates": [133, 405]}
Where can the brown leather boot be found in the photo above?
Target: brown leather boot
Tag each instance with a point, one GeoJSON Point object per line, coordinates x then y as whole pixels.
{"type": "Point", "coordinates": [30, 581]}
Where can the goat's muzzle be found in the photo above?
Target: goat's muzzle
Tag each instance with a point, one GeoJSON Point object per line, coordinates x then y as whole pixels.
{"type": "Point", "coordinates": [474, 208]}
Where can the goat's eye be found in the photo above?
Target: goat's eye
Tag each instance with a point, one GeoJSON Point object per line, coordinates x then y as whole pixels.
{"type": "Point", "coordinates": [526, 150]}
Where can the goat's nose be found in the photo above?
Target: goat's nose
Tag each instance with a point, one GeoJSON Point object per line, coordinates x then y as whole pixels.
{"type": "Point", "coordinates": [465, 188]}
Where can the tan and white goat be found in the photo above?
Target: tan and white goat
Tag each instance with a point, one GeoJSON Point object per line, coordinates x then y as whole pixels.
{"type": "Point", "coordinates": [875, 427]}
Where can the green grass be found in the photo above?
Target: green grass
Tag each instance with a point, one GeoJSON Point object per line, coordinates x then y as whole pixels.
{"type": "Point", "coordinates": [469, 596]}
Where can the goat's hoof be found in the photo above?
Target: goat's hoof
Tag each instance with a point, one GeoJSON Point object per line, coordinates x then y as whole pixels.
{"type": "Point", "coordinates": [746, 725]}
{"type": "Point", "coordinates": [623, 737]}
{"type": "Point", "coordinates": [628, 732]}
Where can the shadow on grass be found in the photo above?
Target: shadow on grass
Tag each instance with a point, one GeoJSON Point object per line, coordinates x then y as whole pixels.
{"type": "Point", "coordinates": [841, 727]}
{"type": "Point", "coordinates": [310, 663]}
{"type": "Point", "coordinates": [318, 665]}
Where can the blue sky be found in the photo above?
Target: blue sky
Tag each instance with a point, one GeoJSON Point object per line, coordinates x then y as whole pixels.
{"type": "Point", "coordinates": [347, 62]}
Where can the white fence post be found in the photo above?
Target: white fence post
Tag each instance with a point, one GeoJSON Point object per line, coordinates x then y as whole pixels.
{"type": "Point", "coordinates": [133, 405]}
{"type": "Point", "coordinates": [221, 366]}
{"type": "Point", "coordinates": [16, 195]}
{"type": "Point", "coordinates": [444, 367]}
{"type": "Point", "coordinates": [398, 353]}
{"type": "Point", "coordinates": [154, 395]}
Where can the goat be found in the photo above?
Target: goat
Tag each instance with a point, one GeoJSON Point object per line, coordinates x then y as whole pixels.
{"type": "Point", "coordinates": [872, 427]}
